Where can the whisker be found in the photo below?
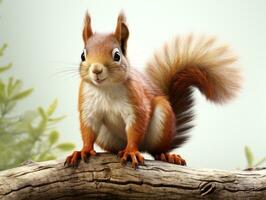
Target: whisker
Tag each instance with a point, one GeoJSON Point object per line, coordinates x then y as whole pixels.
{"type": "Point", "coordinates": [67, 75]}
{"type": "Point", "coordinates": [67, 72]}
{"type": "Point", "coordinates": [62, 69]}
{"type": "Point", "coordinates": [65, 63]}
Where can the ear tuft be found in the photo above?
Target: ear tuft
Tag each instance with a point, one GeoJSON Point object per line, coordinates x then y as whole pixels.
{"type": "Point", "coordinates": [87, 31]}
{"type": "Point", "coordinates": [121, 17]}
{"type": "Point", "coordinates": [122, 32]}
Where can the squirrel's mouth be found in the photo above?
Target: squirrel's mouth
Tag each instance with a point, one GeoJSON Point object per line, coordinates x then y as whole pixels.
{"type": "Point", "coordinates": [99, 81]}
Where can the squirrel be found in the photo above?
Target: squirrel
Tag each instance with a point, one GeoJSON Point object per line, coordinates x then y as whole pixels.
{"type": "Point", "coordinates": [127, 112]}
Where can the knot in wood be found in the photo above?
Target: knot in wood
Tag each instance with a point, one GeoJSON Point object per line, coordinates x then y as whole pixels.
{"type": "Point", "coordinates": [207, 188]}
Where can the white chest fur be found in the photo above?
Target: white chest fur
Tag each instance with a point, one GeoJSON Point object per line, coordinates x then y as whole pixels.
{"type": "Point", "coordinates": [107, 106]}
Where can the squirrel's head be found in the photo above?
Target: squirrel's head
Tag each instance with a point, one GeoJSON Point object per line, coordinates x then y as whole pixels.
{"type": "Point", "coordinates": [103, 60]}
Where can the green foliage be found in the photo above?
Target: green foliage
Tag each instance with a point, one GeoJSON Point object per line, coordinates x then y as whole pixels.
{"type": "Point", "coordinates": [250, 159]}
{"type": "Point", "coordinates": [66, 146]}
{"type": "Point", "coordinates": [249, 156]}
{"type": "Point", "coordinates": [30, 135]}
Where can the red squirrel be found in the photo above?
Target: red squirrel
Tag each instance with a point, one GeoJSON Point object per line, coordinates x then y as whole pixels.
{"type": "Point", "coordinates": [127, 112]}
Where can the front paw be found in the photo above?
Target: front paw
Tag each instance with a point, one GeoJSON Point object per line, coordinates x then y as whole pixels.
{"type": "Point", "coordinates": [74, 159]}
{"type": "Point", "coordinates": [86, 153]}
{"type": "Point", "coordinates": [134, 155]}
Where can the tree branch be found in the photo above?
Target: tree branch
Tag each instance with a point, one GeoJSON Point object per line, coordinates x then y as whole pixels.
{"type": "Point", "coordinates": [105, 178]}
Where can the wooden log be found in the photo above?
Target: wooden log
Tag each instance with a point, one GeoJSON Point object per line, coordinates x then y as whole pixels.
{"type": "Point", "coordinates": [105, 178]}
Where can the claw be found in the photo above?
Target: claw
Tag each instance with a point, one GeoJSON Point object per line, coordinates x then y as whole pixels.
{"type": "Point", "coordinates": [140, 158]}
{"type": "Point", "coordinates": [74, 159]}
{"type": "Point", "coordinates": [123, 162]}
{"type": "Point", "coordinates": [171, 158]}
{"type": "Point", "coordinates": [163, 157]}
{"type": "Point", "coordinates": [135, 157]}
{"type": "Point", "coordinates": [121, 153]}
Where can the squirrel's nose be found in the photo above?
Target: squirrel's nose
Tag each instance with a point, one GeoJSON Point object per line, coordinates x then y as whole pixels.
{"type": "Point", "coordinates": [97, 71]}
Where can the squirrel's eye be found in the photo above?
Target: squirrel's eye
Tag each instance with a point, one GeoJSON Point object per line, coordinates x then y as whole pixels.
{"type": "Point", "coordinates": [83, 55]}
{"type": "Point", "coordinates": [116, 55]}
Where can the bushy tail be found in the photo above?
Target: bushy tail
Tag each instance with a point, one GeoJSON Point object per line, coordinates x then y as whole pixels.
{"type": "Point", "coordinates": [189, 62]}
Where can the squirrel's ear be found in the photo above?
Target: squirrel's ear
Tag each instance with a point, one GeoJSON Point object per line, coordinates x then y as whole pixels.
{"type": "Point", "coordinates": [87, 31]}
{"type": "Point", "coordinates": [122, 32]}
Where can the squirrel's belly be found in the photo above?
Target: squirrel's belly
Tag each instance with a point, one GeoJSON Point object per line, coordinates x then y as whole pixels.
{"type": "Point", "coordinates": [112, 134]}
{"type": "Point", "coordinates": [115, 125]}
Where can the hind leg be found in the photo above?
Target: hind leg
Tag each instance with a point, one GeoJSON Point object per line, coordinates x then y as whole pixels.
{"type": "Point", "coordinates": [162, 132]}
{"type": "Point", "coordinates": [171, 158]}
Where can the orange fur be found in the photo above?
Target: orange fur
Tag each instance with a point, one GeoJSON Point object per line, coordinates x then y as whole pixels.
{"type": "Point", "coordinates": [142, 112]}
{"type": "Point", "coordinates": [88, 136]}
{"type": "Point", "coordinates": [142, 109]}
{"type": "Point", "coordinates": [200, 62]}
{"type": "Point", "coordinates": [87, 31]}
{"type": "Point", "coordinates": [169, 125]}
{"type": "Point", "coordinates": [193, 62]}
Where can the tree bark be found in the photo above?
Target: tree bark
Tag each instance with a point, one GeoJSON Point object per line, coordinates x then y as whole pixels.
{"type": "Point", "coordinates": [103, 177]}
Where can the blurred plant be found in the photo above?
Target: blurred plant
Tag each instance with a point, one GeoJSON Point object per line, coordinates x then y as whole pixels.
{"type": "Point", "coordinates": [250, 159]}
{"type": "Point", "coordinates": [27, 136]}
